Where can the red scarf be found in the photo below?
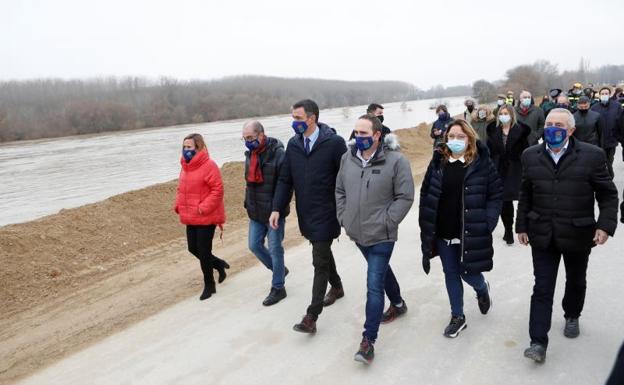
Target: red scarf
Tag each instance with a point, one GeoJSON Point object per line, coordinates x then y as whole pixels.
{"type": "Point", "coordinates": [254, 174]}
{"type": "Point", "coordinates": [524, 110]}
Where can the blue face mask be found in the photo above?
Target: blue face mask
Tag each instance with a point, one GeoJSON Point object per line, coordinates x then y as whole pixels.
{"type": "Point", "coordinates": [560, 105]}
{"type": "Point", "coordinates": [188, 155]}
{"type": "Point", "coordinates": [363, 143]}
{"type": "Point", "coordinates": [504, 119]}
{"type": "Point", "coordinates": [456, 146]}
{"type": "Point", "coordinates": [299, 127]}
{"type": "Point", "coordinates": [555, 136]}
{"type": "Point", "coordinates": [526, 102]}
{"type": "Point", "coordinates": [443, 115]}
{"type": "Point", "coordinates": [604, 99]}
{"type": "Point", "coordinates": [252, 144]}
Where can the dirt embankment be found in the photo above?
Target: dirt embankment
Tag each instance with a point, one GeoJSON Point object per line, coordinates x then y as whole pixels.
{"type": "Point", "coordinates": [73, 278]}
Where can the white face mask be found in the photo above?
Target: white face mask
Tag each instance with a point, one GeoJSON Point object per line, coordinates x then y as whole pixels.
{"type": "Point", "coordinates": [500, 102]}
{"type": "Point", "coordinates": [482, 114]}
{"type": "Point", "coordinates": [504, 119]}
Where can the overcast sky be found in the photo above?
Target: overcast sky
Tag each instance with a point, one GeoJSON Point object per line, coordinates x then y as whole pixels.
{"type": "Point", "coordinates": [444, 42]}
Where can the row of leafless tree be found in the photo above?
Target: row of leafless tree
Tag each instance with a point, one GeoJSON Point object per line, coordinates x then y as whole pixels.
{"type": "Point", "coordinates": [51, 107]}
{"type": "Point", "coordinates": [541, 76]}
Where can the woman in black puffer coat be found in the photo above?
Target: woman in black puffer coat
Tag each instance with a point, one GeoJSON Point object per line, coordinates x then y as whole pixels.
{"type": "Point", "coordinates": [460, 201]}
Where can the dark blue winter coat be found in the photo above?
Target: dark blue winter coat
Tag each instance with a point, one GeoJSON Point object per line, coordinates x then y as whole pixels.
{"type": "Point", "coordinates": [441, 125]}
{"type": "Point", "coordinates": [313, 178]}
{"type": "Point", "coordinates": [611, 114]}
{"type": "Point", "coordinates": [482, 203]}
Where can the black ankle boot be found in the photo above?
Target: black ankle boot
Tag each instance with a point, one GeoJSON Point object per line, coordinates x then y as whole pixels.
{"type": "Point", "coordinates": [209, 290]}
{"type": "Point", "coordinates": [220, 265]}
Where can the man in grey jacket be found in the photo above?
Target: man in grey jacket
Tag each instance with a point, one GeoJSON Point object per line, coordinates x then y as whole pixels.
{"type": "Point", "coordinates": [374, 192]}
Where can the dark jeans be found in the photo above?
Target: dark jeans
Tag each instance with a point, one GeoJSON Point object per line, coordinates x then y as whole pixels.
{"type": "Point", "coordinates": [507, 215]}
{"type": "Point", "coordinates": [324, 272]}
{"type": "Point", "coordinates": [199, 241]}
{"type": "Point", "coordinates": [545, 267]}
{"type": "Point", "coordinates": [610, 156]}
{"type": "Point", "coordinates": [379, 279]}
{"type": "Point", "coordinates": [453, 275]}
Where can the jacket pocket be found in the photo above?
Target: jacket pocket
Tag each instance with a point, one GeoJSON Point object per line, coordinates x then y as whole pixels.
{"type": "Point", "coordinates": [533, 215]}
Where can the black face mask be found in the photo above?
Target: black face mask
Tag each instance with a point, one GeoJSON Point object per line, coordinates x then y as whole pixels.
{"type": "Point", "coordinates": [470, 108]}
{"type": "Point", "coordinates": [380, 117]}
{"type": "Point", "coordinates": [583, 112]}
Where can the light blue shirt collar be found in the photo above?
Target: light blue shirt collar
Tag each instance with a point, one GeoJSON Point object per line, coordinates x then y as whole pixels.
{"type": "Point", "coordinates": [312, 137]}
{"type": "Point", "coordinates": [557, 156]}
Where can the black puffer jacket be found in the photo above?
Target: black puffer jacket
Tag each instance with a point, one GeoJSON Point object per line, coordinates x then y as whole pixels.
{"type": "Point", "coordinates": [482, 204]}
{"type": "Point", "coordinates": [589, 127]}
{"type": "Point", "coordinates": [313, 178]}
{"type": "Point", "coordinates": [557, 202]}
{"type": "Point", "coordinates": [259, 196]}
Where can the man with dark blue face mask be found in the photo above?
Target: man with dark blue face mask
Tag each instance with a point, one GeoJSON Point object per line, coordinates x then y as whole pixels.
{"type": "Point", "coordinates": [562, 179]}
{"type": "Point", "coordinates": [263, 163]}
{"type": "Point", "coordinates": [374, 192]}
{"type": "Point", "coordinates": [310, 168]}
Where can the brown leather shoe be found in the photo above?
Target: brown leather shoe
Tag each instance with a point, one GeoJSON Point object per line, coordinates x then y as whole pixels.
{"type": "Point", "coordinates": [332, 295]}
{"type": "Point", "coordinates": [307, 325]}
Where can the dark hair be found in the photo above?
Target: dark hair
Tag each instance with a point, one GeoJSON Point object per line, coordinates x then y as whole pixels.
{"type": "Point", "coordinates": [605, 88]}
{"type": "Point", "coordinates": [198, 140]}
{"type": "Point", "coordinates": [373, 107]}
{"type": "Point", "coordinates": [309, 106]}
{"type": "Point", "coordinates": [441, 107]}
{"type": "Point", "coordinates": [377, 127]}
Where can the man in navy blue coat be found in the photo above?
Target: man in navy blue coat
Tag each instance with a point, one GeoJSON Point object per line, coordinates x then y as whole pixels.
{"type": "Point", "coordinates": [310, 167]}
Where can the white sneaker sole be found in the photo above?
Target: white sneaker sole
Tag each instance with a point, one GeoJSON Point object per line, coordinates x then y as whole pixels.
{"type": "Point", "coordinates": [464, 326]}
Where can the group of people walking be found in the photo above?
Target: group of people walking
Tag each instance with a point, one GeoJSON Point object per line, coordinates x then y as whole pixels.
{"type": "Point", "coordinates": [480, 166]}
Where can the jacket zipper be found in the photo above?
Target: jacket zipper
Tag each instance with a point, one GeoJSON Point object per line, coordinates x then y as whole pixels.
{"type": "Point", "coordinates": [463, 238]}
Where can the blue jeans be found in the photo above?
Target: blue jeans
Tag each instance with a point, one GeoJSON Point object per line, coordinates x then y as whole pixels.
{"type": "Point", "coordinates": [453, 275]}
{"type": "Point", "coordinates": [379, 278]}
{"type": "Point", "coordinates": [273, 257]}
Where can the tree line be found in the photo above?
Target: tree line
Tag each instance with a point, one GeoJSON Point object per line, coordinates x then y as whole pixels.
{"type": "Point", "coordinates": [542, 76]}
{"type": "Point", "coordinates": [44, 108]}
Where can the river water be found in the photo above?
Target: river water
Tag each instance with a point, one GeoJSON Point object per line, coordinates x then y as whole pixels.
{"type": "Point", "coordinates": [39, 178]}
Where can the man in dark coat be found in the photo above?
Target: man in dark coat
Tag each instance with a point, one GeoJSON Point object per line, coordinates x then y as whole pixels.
{"type": "Point", "coordinates": [561, 180]}
{"type": "Point", "coordinates": [589, 124]}
{"type": "Point", "coordinates": [527, 113]}
{"type": "Point", "coordinates": [310, 167]}
{"type": "Point", "coordinates": [611, 112]}
{"type": "Point", "coordinates": [377, 110]}
{"type": "Point", "coordinates": [263, 162]}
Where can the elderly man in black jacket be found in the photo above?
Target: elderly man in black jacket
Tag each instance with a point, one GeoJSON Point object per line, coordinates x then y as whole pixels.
{"type": "Point", "coordinates": [310, 167]}
{"type": "Point", "coordinates": [561, 180]}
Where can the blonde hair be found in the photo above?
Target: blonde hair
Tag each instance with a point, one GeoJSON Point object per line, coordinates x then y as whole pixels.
{"type": "Point", "coordinates": [471, 147]}
{"type": "Point", "coordinates": [489, 116]}
{"type": "Point", "coordinates": [510, 110]}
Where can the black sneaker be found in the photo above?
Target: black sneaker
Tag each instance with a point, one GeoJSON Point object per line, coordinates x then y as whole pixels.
{"type": "Point", "coordinates": [393, 313]}
{"type": "Point", "coordinates": [457, 324]}
{"type": "Point", "coordinates": [275, 295]}
{"type": "Point", "coordinates": [537, 352]}
{"type": "Point", "coordinates": [485, 301]}
{"type": "Point", "coordinates": [366, 353]}
{"type": "Point", "coordinates": [571, 329]}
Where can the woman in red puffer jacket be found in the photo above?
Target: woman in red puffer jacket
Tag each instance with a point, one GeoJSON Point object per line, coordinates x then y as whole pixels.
{"type": "Point", "coordinates": [199, 203]}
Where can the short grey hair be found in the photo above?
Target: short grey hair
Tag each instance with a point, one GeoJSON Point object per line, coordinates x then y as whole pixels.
{"type": "Point", "coordinates": [571, 121]}
{"type": "Point", "coordinates": [256, 126]}
{"type": "Point", "coordinates": [524, 92]}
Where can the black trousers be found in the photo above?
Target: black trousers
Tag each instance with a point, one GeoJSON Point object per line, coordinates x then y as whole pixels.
{"type": "Point", "coordinates": [507, 215]}
{"type": "Point", "coordinates": [324, 272]}
{"type": "Point", "coordinates": [545, 267]}
{"type": "Point", "coordinates": [199, 241]}
{"type": "Point", "coordinates": [610, 157]}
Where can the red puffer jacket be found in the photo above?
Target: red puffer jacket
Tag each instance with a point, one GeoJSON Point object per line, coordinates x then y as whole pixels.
{"type": "Point", "coordinates": [200, 189]}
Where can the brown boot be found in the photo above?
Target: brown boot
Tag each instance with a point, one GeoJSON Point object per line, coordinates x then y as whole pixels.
{"type": "Point", "coordinates": [332, 295]}
{"type": "Point", "coordinates": [307, 325]}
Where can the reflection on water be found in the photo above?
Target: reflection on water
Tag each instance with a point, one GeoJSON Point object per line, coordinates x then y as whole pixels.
{"type": "Point", "coordinates": [41, 177]}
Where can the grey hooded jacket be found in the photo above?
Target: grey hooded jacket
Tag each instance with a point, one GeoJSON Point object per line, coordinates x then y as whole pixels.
{"type": "Point", "coordinates": [371, 201]}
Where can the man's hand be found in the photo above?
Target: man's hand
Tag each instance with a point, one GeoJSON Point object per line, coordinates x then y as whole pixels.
{"type": "Point", "coordinates": [601, 237]}
{"type": "Point", "coordinates": [523, 238]}
{"type": "Point", "coordinates": [274, 220]}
